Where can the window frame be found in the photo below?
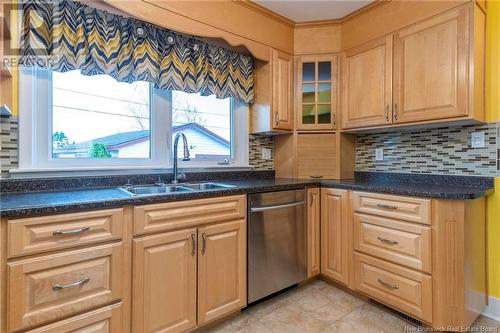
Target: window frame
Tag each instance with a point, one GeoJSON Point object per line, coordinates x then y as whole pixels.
{"type": "Point", "coordinates": [35, 121]}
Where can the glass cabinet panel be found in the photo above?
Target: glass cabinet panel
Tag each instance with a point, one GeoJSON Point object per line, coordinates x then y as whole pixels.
{"type": "Point", "coordinates": [317, 92]}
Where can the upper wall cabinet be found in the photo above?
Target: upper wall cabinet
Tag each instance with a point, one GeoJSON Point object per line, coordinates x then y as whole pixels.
{"type": "Point", "coordinates": [367, 84]}
{"type": "Point", "coordinates": [272, 110]}
{"type": "Point", "coordinates": [316, 92]}
{"type": "Point", "coordinates": [431, 68]}
{"type": "Point", "coordinates": [429, 72]}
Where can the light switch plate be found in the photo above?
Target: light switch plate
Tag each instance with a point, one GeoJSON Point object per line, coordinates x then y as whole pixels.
{"type": "Point", "coordinates": [477, 140]}
{"type": "Point", "coordinates": [266, 153]}
{"type": "Point", "coordinates": [379, 154]}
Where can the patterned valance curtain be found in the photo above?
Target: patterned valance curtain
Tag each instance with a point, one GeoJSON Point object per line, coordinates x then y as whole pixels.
{"type": "Point", "coordinates": [67, 35]}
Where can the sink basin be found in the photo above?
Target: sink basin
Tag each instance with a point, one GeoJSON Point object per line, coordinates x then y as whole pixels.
{"type": "Point", "coordinates": [208, 186]}
{"type": "Point", "coordinates": [154, 189]}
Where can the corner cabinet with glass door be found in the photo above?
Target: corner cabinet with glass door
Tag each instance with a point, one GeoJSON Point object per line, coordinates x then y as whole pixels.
{"type": "Point", "coordinates": [317, 92]}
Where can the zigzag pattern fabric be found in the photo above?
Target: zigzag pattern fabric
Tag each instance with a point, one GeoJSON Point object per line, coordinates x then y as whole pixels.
{"type": "Point", "coordinates": [67, 35]}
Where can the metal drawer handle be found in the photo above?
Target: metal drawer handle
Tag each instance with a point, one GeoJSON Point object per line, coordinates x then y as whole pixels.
{"type": "Point", "coordinates": [387, 113]}
{"type": "Point", "coordinates": [387, 241]}
{"type": "Point", "coordinates": [311, 199]}
{"type": "Point", "coordinates": [315, 177]}
{"type": "Point", "coordinates": [276, 119]}
{"type": "Point", "coordinates": [193, 248]}
{"type": "Point", "coordinates": [387, 206]}
{"type": "Point", "coordinates": [388, 285]}
{"type": "Point", "coordinates": [78, 283]}
{"type": "Point", "coordinates": [70, 232]}
{"type": "Point", "coordinates": [204, 243]}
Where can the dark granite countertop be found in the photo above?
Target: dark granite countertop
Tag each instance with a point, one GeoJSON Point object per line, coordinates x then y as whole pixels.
{"type": "Point", "coordinates": [440, 187]}
{"type": "Point", "coordinates": [35, 203]}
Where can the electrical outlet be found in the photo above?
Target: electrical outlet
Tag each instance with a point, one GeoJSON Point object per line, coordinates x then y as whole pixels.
{"type": "Point", "coordinates": [266, 153]}
{"type": "Point", "coordinates": [477, 140]}
{"type": "Point", "coordinates": [379, 154]}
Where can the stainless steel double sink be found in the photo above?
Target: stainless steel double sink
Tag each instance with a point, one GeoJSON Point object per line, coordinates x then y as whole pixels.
{"type": "Point", "coordinates": [164, 188]}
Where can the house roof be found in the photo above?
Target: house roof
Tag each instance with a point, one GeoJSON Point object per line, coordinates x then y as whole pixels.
{"type": "Point", "coordinates": [120, 140]}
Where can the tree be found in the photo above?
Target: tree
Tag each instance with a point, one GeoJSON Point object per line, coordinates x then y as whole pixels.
{"type": "Point", "coordinates": [99, 150]}
{"type": "Point", "coordinates": [59, 140]}
{"type": "Point", "coordinates": [186, 113]}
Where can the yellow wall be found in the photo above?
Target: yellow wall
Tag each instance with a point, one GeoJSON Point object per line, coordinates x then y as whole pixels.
{"type": "Point", "coordinates": [493, 114]}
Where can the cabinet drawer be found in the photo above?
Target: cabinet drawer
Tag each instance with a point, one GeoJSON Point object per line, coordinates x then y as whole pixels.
{"type": "Point", "coordinates": [398, 207]}
{"type": "Point", "coordinates": [399, 287]}
{"type": "Point", "coordinates": [58, 286]}
{"type": "Point", "coordinates": [189, 213]}
{"type": "Point", "coordinates": [408, 244]}
{"type": "Point", "coordinates": [105, 320]}
{"type": "Point", "coordinates": [48, 233]}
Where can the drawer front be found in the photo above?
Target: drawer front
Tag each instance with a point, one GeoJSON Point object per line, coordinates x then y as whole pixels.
{"type": "Point", "coordinates": [404, 243]}
{"type": "Point", "coordinates": [189, 213]}
{"type": "Point", "coordinates": [399, 287]}
{"type": "Point", "coordinates": [397, 207]}
{"type": "Point", "coordinates": [58, 286]}
{"type": "Point", "coordinates": [105, 320]}
{"type": "Point", "coordinates": [48, 233]}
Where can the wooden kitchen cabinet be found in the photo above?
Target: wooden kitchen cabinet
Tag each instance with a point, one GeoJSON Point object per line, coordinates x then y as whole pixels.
{"type": "Point", "coordinates": [428, 72]}
{"type": "Point", "coordinates": [272, 110]}
{"type": "Point", "coordinates": [431, 68]}
{"type": "Point", "coordinates": [164, 282]}
{"type": "Point", "coordinates": [221, 270]}
{"type": "Point", "coordinates": [367, 84]}
{"type": "Point", "coordinates": [316, 92]}
{"type": "Point", "coordinates": [313, 231]}
{"type": "Point", "coordinates": [335, 234]}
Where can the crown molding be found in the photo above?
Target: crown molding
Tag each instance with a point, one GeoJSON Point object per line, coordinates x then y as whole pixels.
{"type": "Point", "coordinates": [308, 24]}
{"type": "Point", "coordinates": [266, 12]}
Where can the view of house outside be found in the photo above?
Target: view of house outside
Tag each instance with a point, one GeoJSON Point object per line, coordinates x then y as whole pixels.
{"type": "Point", "coordinates": [98, 117]}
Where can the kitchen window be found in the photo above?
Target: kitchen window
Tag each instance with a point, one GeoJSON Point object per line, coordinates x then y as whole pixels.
{"type": "Point", "coordinates": [72, 121]}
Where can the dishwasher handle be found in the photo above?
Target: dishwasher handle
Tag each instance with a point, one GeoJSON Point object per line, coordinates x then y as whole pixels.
{"type": "Point", "coordinates": [265, 208]}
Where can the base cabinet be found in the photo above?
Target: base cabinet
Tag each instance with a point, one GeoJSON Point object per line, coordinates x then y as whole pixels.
{"type": "Point", "coordinates": [185, 279]}
{"type": "Point", "coordinates": [164, 282]}
{"type": "Point", "coordinates": [221, 270]}
{"type": "Point", "coordinates": [313, 231]}
{"type": "Point", "coordinates": [334, 235]}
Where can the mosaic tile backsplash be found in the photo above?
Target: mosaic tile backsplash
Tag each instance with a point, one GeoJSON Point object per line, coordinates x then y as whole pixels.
{"type": "Point", "coordinates": [256, 143]}
{"type": "Point", "coordinates": [8, 145]}
{"type": "Point", "coordinates": [444, 150]}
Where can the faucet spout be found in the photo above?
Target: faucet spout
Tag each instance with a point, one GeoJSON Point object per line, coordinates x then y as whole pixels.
{"type": "Point", "coordinates": [185, 157]}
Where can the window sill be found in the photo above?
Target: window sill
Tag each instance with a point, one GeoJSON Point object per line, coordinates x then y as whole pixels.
{"type": "Point", "coordinates": [112, 171]}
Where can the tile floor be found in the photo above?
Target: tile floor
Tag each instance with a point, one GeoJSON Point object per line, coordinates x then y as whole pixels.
{"type": "Point", "coordinates": [320, 307]}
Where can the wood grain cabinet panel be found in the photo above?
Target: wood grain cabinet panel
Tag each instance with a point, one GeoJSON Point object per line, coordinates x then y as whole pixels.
{"type": "Point", "coordinates": [334, 235]}
{"type": "Point", "coordinates": [367, 84]}
{"type": "Point", "coordinates": [164, 288]}
{"type": "Point", "coordinates": [313, 231]}
{"type": "Point", "coordinates": [316, 156]}
{"type": "Point", "coordinates": [221, 270]}
{"type": "Point", "coordinates": [54, 232]}
{"type": "Point", "coordinates": [407, 290]}
{"type": "Point", "coordinates": [105, 320]}
{"type": "Point", "coordinates": [393, 206]}
{"type": "Point", "coordinates": [58, 286]}
{"type": "Point", "coordinates": [408, 244]}
{"type": "Point", "coordinates": [184, 214]}
{"type": "Point", "coordinates": [282, 90]}
{"type": "Point", "coordinates": [431, 68]}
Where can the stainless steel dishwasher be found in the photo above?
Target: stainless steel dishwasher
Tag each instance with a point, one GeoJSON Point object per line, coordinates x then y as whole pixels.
{"type": "Point", "coordinates": [277, 242]}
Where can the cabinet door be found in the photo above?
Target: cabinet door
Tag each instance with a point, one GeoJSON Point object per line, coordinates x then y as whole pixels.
{"type": "Point", "coordinates": [164, 287]}
{"type": "Point", "coordinates": [313, 225]}
{"type": "Point", "coordinates": [222, 287]}
{"type": "Point", "coordinates": [431, 68]}
{"type": "Point", "coordinates": [367, 84]}
{"type": "Point", "coordinates": [334, 235]}
{"type": "Point", "coordinates": [316, 155]}
{"type": "Point", "coordinates": [317, 99]}
{"type": "Point", "coordinates": [282, 90]}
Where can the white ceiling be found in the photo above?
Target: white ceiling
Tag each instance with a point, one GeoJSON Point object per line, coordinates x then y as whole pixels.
{"type": "Point", "coordinates": [315, 10]}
